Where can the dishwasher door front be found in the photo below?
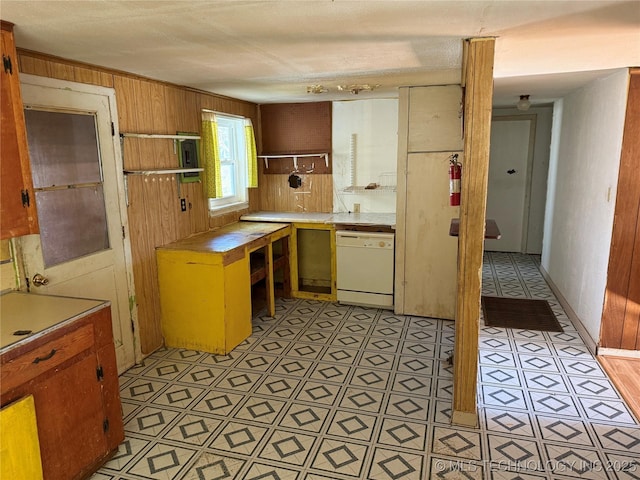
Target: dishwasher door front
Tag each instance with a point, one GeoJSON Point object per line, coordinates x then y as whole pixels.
{"type": "Point", "coordinates": [364, 264]}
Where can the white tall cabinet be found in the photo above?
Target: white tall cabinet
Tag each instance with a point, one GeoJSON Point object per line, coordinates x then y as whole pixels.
{"type": "Point", "coordinates": [429, 132]}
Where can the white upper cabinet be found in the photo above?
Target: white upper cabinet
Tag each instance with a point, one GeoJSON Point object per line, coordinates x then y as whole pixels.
{"type": "Point", "coordinates": [435, 119]}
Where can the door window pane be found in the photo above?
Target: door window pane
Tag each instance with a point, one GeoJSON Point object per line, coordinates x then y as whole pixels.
{"type": "Point", "coordinates": [62, 148]}
{"type": "Point", "coordinates": [73, 223]}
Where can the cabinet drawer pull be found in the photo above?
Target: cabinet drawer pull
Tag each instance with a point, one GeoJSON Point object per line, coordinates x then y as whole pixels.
{"type": "Point", "coordinates": [46, 357]}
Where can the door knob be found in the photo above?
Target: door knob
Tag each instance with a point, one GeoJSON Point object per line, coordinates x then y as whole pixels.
{"type": "Point", "coordinates": [511, 172]}
{"type": "Point", "coordinates": [39, 280]}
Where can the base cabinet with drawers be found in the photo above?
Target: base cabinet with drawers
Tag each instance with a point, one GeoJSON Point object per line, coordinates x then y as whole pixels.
{"type": "Point", "coordinates": [71, 374]}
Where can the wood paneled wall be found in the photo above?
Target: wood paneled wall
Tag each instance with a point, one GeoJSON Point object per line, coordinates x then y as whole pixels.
{"type": "Point", "coordinates": [620, 328]}
{"type": "Point", "coordinates": [315, 194]}
{"type": "Point", "coordinates": [155, 218]}
{"type": "Point", "coordinates": [295, 128]}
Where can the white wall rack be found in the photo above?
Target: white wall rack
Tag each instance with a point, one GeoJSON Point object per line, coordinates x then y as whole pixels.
{"type": "Point", "coordinates": [363, 189]}
{"type": "Point", "coordinates": [295, 158]}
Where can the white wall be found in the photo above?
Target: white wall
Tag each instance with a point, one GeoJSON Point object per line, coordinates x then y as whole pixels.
{"type": "Point", "coordinates": [583, 172]}
{"type": "Point", "coordinates": [365, 150]}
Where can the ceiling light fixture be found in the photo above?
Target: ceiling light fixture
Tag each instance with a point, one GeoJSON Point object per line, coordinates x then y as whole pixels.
{"type": "Point", "coordinates": [524, 103]}
{"type": "Point", "coordinates": [355, 89]}
{"type": "Point", "coordinates": [316, 89]}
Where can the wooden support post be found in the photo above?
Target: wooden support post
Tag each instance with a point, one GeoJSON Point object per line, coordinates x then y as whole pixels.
{"type": "Point", "coordinates": [478, 81]}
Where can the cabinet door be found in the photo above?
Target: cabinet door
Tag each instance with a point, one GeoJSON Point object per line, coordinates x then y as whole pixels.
{"type": "Point", "coordinates": [69, 412]}
{"type": "Point", "coordinates": [17, 216]}
{"type": "Point", "coordinates": [430, 254]}
{"type": "Point", "coordinates": [435, 118]}
{"type": "Point", "coordinates": [313, 261]}
{"type": "Point", "coordinates": [19, 451]}
{"type": "Point", "coordinates": [111, 396]}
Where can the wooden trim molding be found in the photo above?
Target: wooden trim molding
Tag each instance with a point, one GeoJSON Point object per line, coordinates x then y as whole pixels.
{"type": "Point", "coordinates": [616, 352]}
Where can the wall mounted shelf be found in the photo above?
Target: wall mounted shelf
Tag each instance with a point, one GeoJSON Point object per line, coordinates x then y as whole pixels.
{"type": "Point", "coordinates": [295, 158]}
{"type": "Point", "coordinates": [163, 171]}
{"type": "Point", "coordinates": [158, 171]}
{"type": "Point", "coordinates": [159, 135]}
{"type": "Point", "coordinates": [363, 189]}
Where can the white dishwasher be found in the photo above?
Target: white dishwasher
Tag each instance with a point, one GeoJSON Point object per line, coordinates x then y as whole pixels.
{"type": "Point", "coordinates": [364, 268]}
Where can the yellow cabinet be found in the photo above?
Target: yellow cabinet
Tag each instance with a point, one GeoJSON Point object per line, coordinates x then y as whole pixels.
{"type": "Point", "coordinates": [205, 285]}
{"type": "Point", "coordinates": [19, 446]}
{"type": "Point", "coordinates": [205, 301]}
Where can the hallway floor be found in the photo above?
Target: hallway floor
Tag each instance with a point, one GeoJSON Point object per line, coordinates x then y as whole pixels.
{"type": "Point", "coordinates": [328, 392]}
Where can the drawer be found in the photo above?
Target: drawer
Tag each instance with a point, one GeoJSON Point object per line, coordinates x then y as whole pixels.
{"type": "Point", "coordinates": [45, 357]}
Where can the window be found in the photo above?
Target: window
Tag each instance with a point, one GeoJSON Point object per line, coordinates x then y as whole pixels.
{"type": "Point", "coordinates": [233, 161]}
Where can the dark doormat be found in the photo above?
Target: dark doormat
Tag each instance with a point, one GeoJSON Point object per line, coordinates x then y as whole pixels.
{"type": "Point", "coordinates": [519, 313]}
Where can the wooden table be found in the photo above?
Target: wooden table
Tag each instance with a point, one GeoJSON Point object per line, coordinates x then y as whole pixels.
{"type": "Point", "coordinates": [491, 230]}
{"type": "Point", "coordinates": [205, 284]}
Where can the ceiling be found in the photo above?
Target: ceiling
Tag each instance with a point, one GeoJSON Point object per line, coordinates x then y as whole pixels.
{"type": "Point", "coordinates": [271, 51]}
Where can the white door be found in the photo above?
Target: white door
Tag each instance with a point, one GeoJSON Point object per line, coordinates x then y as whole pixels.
{"type": "Point", "coordinates": [75, 164]}
{"type": "Point", "coordinates": [508, 184]}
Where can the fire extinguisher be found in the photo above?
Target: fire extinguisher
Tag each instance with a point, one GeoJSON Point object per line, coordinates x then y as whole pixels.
{"type": "Point", "coordinates": [455, 173]}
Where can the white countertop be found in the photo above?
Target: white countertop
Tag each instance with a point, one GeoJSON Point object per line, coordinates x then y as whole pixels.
{"type": "Point", "coordinates": [287, 217]}
{"type": "Point", "coordinates": [371, 219]}
{"type": "Point", "coordinates": [38, 314]}
{"type": "Point", "coordinates": [381, 219]}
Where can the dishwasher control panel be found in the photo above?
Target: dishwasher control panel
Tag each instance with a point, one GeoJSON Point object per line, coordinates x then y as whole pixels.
{"type": "Point", "coordinates": [364, 240]}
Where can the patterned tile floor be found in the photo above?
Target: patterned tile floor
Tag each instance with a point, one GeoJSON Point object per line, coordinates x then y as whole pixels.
{"type": "Point", "coordinates": [329, 392]}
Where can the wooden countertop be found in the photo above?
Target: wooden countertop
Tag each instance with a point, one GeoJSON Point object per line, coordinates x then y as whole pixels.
{"type": "Point", "coordinates": [365, 219]}
{"type": "Point", "coordinates": [491, 230]}
{"type": "Point", "coordinates": [230, 240]}
{"type": "Point", "coordinates": [38, 314]}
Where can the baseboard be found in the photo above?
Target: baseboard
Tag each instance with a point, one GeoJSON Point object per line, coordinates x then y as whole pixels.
{"type": "Point", "coordinates": [573, 317]}
{"type": "Point", "coordinates": [617, 352]}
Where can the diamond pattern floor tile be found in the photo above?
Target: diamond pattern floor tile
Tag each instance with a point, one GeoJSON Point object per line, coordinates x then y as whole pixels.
{"type": "Point", "coordinates": [325, 391]}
